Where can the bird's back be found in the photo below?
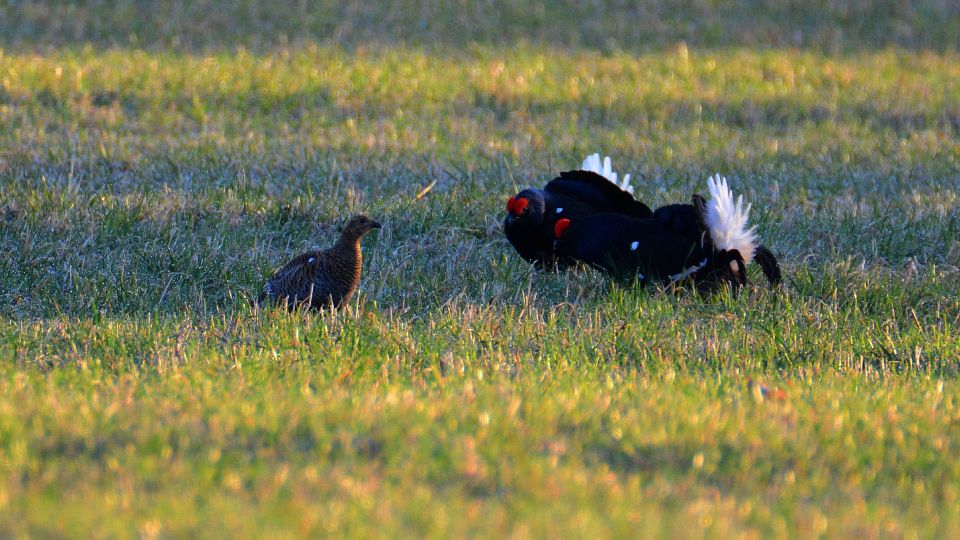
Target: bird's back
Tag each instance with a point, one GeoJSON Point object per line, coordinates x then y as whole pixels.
{"type": "Point", "coordinates": [625, 247]}
{"type": "Point", "coordinates": [318, 278]}
{"type": "Point", "coordinates": [597, 193]}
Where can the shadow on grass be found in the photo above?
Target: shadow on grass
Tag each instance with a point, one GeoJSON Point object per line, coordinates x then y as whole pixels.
{"type": "Point", "coordinates": [830, 26]}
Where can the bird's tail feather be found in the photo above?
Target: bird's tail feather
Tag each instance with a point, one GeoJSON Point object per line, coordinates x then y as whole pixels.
{"type": "Point", "coordinates": [726, 219]}
{"type": "Point", "coordinates": [768, 263]}
{"type": "Point", "coordinates": [604, 168]}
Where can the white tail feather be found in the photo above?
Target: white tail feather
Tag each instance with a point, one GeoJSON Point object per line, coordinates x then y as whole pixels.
{"type": "Point", "coordinates": [727, 220]}
{"type": "Point", "coordinates": [604, 168]}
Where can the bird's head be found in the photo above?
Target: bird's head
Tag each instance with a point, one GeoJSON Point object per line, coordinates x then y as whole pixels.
{"type": "Point", "coordinates": [359, 226]}
{"type": "Point", "coordinates": [527, 206]}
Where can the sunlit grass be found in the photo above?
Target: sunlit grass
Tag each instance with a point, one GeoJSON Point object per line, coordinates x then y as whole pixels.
{"type": "Point", "coordinates": [144, 196]}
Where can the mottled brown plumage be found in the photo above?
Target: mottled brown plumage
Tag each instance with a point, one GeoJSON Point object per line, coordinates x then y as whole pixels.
{"type": "Point", "coordinates": [323, 278]}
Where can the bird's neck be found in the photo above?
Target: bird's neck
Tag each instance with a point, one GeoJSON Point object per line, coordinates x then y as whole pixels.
{"type": "Point", "coordinates": [348, 260]}
{"type": "Point", "coordinates": [348, 245]}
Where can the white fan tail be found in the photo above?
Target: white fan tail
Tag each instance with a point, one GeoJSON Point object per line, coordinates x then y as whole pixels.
{"type": "Point", "coordinates": [604, 168]}
{"type": "Point", "coordinates": [727, 220]}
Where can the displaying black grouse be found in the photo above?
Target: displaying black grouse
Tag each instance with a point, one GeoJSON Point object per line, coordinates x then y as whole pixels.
{"type": "Point", "coordinates": [713, 246]}
{"type": "Point", "coordinates": [687, 220]}
{"type": "Point", "coordinates": [532, 213]}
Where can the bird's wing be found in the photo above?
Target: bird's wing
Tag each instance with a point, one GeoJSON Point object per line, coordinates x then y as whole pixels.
{"type": "Point", "coordinates": [294, 278]}
{"type": "Point", "coordinates": [298, 262]}
{"type": "Point", "coordinates": [594, 190]}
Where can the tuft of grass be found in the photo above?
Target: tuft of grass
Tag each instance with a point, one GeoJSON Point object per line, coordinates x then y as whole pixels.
{"type": "Point", "coordinates": [152, 175]}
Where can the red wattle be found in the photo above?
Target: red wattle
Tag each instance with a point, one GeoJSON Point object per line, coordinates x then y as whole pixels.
{"type": "Point", "coordinates": [560, 226]}
{"type": "Point", "coordinates": [520, 205]}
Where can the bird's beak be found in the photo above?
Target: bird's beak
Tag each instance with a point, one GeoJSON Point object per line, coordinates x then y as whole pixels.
{"type": "Point", "coordinates": [376, 225]}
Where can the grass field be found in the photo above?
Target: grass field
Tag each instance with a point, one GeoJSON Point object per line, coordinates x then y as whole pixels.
{"type": "Point", "coordinates": [158, 161]}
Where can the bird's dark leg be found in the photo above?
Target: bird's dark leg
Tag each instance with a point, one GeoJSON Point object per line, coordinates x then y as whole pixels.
{"type": "Point", "coordinates": [727, 267]}
{"type": "Point", "coordinates": [738, 278]}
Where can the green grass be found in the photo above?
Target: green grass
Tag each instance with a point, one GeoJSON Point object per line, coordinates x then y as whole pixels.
{"type": "Point", "coordinates": [153, 173]}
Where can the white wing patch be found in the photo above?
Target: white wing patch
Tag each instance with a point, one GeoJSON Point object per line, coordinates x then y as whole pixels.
{"type": "Point", "coordinates": [559, 210]}
{"type": "Point", "coordinates": [634, 246]}
{"type": "Point", "coordinates": [604, 168]}
{"type": "Point", "coordinates": [311, 259]}
{"type": "Point", "coordinates": [688, 272]}
{"type": "Point", "coordinates": [727, 220]}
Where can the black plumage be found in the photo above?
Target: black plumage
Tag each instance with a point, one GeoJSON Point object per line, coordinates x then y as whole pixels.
{"type": "Point", "coordinates": [768, 263]}
{"type": "Point", "coordinates": [652, 248]}
{"type": "Point", "coordinates": [601, 195]}
{"type": "Point", "coordinates": [532, 213]}
{"type": "Point", "coordinates": [707, 242]}
{"type": "Point", "coordinates": [325, 278]}
{"type": "Point", "coordinates": [684, 219]}
{"type": "Point", "coordinates": [645, 249]}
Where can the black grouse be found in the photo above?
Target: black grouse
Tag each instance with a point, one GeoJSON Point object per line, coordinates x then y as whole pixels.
{"type": "Point", "coordinates": [532, 213]}
{"type": "Point", "coordinates": [712, 247]}
{"type": "Point", "coordinates": [326, 278]}
{"type": "Point", "coordinates": [687, 220]}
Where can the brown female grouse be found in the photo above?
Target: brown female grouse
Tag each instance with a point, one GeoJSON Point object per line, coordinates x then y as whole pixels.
{"type": "Point", "coordinates": [326, 278]}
